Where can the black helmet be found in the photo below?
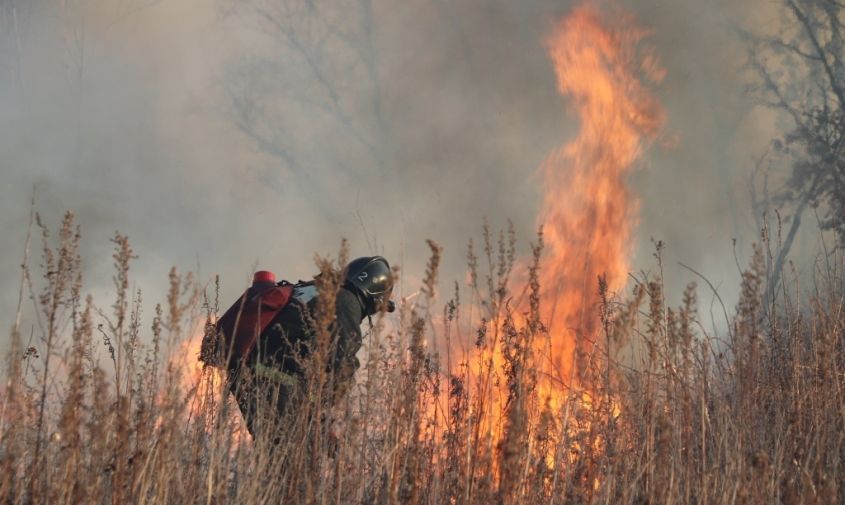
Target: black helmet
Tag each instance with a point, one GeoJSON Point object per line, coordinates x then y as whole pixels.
{"type": "Point", "coordinates": [372, 278]}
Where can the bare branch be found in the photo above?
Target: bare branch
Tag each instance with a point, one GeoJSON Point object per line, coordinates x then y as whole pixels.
{"type": "Point", "coordinates": [319, 74]}
{"type": "Point", "coordinates": [793, 48]}
{"type": "Point", "coordinates": [773, 87]}
{"type": "Point", "coordinates": [833, 80]}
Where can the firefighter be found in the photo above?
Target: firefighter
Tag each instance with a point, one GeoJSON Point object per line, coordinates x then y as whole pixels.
{"type": "Point", "coordinates": [274, 371]}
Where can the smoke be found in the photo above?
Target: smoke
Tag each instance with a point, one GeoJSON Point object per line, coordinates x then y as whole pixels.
{"type": "Point", "coordinates": [226, 135]}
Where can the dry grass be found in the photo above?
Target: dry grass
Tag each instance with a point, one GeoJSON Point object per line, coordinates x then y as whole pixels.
{"type": "Point", "coordinates": [95, 409]}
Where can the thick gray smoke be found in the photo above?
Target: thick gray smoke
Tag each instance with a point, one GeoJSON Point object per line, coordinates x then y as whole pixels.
{"type": "Point", "coordinates": [234, 134]}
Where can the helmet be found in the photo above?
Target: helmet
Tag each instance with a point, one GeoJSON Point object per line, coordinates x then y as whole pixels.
{"type": "Point", "coordinates": [372, 278]}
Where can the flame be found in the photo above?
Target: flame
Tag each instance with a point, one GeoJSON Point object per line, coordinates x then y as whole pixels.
{"type": "Point", "coordinates": [588, 212]}
{"type": "Point", "coordinates": [205, 387]}
{"type": "Point", "coordinates": [588, 216]}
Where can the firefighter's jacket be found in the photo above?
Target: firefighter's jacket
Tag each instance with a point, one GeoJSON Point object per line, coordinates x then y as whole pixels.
{"type": "Point", "coordinates": [288, 342]}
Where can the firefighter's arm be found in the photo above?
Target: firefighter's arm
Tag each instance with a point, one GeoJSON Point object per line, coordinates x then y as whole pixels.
{"type": "Point", "coordinates": [347, 336]}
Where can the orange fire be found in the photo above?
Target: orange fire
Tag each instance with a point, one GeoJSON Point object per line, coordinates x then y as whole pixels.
{"type": "Point", "coordinates": [588, 215]}
{"type": "Point", "coordinates": [204, 386]}
{"type": "Point", "coordinates": [587, 211]}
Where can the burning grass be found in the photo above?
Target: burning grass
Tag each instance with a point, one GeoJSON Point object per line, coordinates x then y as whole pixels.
{"type": "Point", "coordinates": [752, 416]}
{"type": "Point", "coordinates": [512, 391]}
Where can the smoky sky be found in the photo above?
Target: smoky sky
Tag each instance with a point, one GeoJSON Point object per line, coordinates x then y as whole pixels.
{"type": "Point", "coordinates": [223, 135]}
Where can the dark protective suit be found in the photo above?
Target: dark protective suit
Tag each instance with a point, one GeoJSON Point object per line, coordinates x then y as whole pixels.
{"type": "Point", "coordinates": [278, 363]}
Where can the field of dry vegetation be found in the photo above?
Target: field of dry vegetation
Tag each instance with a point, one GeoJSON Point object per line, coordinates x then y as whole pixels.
{"type": "Point", "coordinates": [99, 406]}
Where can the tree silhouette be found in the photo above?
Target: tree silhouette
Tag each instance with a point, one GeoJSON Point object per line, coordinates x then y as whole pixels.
{"type": "Point", "coordinates": [800, 72]}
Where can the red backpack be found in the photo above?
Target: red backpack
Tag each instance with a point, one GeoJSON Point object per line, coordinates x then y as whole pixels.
{"type": "Point", "coordinates": [228, 342]}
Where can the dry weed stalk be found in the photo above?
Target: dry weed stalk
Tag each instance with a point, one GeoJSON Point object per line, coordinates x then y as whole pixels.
{"type": "Point", "coordinates": [751, 416]}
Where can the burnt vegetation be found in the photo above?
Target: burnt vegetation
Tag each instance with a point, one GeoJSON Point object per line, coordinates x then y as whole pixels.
{"type": "Point", "coordinates": [99, 404]}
